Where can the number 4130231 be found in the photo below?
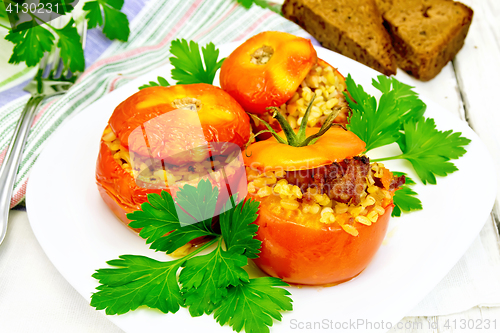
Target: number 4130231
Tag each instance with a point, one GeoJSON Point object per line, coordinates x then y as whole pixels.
{"type": "Point", "coordinates": [33, 8]}
{"type": "Point", "coordinates": [471, 324]}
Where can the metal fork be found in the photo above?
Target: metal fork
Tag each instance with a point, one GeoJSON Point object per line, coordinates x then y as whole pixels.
{"type": "Point", "coordinates": [50, 81]}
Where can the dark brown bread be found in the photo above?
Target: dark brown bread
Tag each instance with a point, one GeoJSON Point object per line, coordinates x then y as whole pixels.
{"type": "Point", "coordinates": [426, 34]}
{"type": "Point", "coordinates": [351, 27]}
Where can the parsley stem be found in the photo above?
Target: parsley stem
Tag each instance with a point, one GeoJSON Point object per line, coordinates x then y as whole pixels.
{"type": "Point", "coordinates": [203, 247]}
{"type": "Point", "coordinates": [54, 29]}
{"type": "Point", "coordinates": [388, 158]}
{"type": "Point", "coordinates": [35, 17]}
{"type": "Point", "coordinates": [5, 27]}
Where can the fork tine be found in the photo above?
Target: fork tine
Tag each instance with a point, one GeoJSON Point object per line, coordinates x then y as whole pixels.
{"type": "Point", "coordinates": [57, 64]}
{"type": "Point", "coordinates": [83, 26]}
{"type": "Point", "coordinates": [43, 64]}
{"type": "Point", "coordinates": [58, 69]}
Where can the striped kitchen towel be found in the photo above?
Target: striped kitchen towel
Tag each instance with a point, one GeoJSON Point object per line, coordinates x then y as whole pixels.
{"type": "Point", "coordinates": [112, 64]}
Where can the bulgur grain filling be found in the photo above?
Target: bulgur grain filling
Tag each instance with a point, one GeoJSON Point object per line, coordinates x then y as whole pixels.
{"type": "Point", "coordinates": [313, 196]}
{"type": "Point", "coordinates": [152, 173]}
{"type": "Point", "coordinates": [328, 85]}
{"type": "Point", "coordinates": [262, 55]}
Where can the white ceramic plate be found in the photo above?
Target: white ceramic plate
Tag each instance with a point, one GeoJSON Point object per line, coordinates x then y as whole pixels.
{"type": "Point", "coordinates": [79, 233]}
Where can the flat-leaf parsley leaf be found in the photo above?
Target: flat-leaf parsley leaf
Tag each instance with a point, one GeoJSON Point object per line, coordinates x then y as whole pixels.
{"type": "Point", "coordinates": [253, 304]}
{"type": "Point", "coordinates": [71, 47]}
{"type": "Point", "coordinates": [408, 105]}
{"type": "Point", "coordinates": [137, 281]}
{"type": "Point", "coordinates": [32, 41]}
{"type": "Point", "coordinates": [405, 199]}
{"type": "Point", "coordinates": [430, 150]}
{"type": "Point", "coordinates": [238, 230]}
{"type": "Point", "coordinates": [380, 125]}
{"type": "Point", "coordinates": [399, 118]}
{"type": "Point", "coordinates": [159, 218]}
{"type": "Point", "coordinates": [188, 64]}
{"type": "Point", "coordinates": [116, 24]}
{"type": "Point", "coordinates": [205, 279]}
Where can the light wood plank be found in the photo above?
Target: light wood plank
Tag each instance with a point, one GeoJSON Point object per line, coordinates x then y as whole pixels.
{"type": "Point", "coordinates": [477, 319]}
{"type": "Point", "coordinates": [478, 70]}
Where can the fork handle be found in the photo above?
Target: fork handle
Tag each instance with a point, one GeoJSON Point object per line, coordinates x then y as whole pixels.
{"type": "Point", "coordinates": [10, 164]}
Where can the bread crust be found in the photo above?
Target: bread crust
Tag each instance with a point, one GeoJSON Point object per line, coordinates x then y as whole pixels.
{"type": "Point", "coordinates": [426, 34]}
{"type": "Point", "coordinates": [352, 28]}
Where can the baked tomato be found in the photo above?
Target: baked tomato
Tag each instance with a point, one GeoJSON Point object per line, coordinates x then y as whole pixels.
{"type": "Point", "coordinates": [267, 69]}
{"type": "Point", "coordinates": [298, 248]}
{"type": "Point", "coordinates": [255, 74]}
{"type": "Point", "coordinates": [324, 208]}
{"type": "Point", "coordinates": [162, 138]}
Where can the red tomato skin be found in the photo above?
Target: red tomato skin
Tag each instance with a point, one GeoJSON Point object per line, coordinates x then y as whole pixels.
{"type": "Point", "coordinates": [222, 119]}
{"type": "Point", "coordinates": [256, 87]}
{"type": "Point", "coordinates": [309, 255]}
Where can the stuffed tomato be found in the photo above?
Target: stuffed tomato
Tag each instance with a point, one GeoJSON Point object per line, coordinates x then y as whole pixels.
{"type": "Point", "coordinates": [162, 138]}
{"type": "Point", "coordinates": [324, 208]}
{"type": "Point", "coordinates": [282, 70]}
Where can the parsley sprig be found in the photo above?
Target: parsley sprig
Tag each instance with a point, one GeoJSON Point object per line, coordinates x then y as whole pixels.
{"type": "Point", "coordinates": [189, 67]}
{"type": "Point", "coordinates": [71, 47]}
{"type": "Point", "coordinates": [430, 150]}
{"type": "Point", "coordinates": [33, 40]}
{"type": "Point", "coordinates": [161, 224]}
{"type": "Point", "coordinates": [211, 283]}
{"type": "Point", "coordinates": [398, 118]}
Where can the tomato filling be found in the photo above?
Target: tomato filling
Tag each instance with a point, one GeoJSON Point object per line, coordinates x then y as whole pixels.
{"type": "Point", "coordinates": [347, 192]}
{"type": "Point", "coordinates": [153, 173]}
{"type": "Point", "coordinates": [328, 85]}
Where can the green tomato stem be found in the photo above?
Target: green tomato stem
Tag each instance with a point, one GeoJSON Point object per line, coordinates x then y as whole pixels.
{"type": "Point", "coordinates": [298, 139]}
{"type": "Point", "coordinates": [285, 126]}
{"type": "Point", "coordinates": [301, 133]}
{"type": "Point", "coordinates": [269, 128]}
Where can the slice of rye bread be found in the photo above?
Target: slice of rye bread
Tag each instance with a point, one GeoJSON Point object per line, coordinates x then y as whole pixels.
{"type": "Point", "coordinates": [426, 34]}
{"type": "Point", "coordinates": [351, 27]}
